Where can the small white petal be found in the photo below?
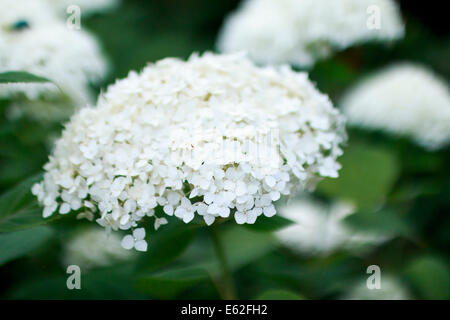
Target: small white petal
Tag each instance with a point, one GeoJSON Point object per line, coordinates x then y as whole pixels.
{"type": "Point", "coordinates": [124, 219]}
{"type": "Point", "coordinates": [168, 209]}
{"type": "Point", "coordinates": [64, 208]}
{"type": "Point", "coordinates": [159, 222]}
{"type": "Point", "coordinates": [224, 212]}
{"type": "Point", "coordinates": [193, 193]}
{"type": "Point", "coordinates": [188, 216]}
{"type": "Point", "coordinates": [49, 210]}
{"type": "Point", "coordinates": [241, 188]}
{"type": "Point", "coordinates": [36, 189]}
{"type": "Point", "coordinates": [141, 245]}
{"type": "Point", "coordinates": [209, 219]}
{"type": "Point", "coordinates": [208, 198]}
{"type": "Point", "coordinates": [269, 211]}
{"type": "Point", "coordinates": [180, 212]}
{"type": "Point", "coordinates": [251, 217]}
{"type": "Point", "coordinates": [139, 233]}
{"type": "Point", "coordinates": [127, 242]}
{"type": "Point", "coordinates": [275, 195]}
{"type": "Point", "coordinates": [270, 181]}
{"type": "Point", "coordinates": [240, 217]}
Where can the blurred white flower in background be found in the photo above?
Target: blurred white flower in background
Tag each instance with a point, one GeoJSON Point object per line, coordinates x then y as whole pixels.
{"type": "Point", "coordinates": [300, 32]}
{"type": "Point", "coordinates": [391, 289]}
{"type": "Point", "coordinates": [404, 99]}
{"type": "Point", "coordinates": [319, 229]}
{"type": "Point", "coordinates": [87, 7]}
{"type": "Point", "coordinates": [34, 39]}
{"type": "Point", "coordinates": [93, 247]}
{"type": "Point", "coordinates": [214, 136]}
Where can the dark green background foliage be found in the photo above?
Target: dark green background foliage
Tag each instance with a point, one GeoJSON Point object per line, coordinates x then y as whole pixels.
{"type": "Point", "coordinates": [400, 188]}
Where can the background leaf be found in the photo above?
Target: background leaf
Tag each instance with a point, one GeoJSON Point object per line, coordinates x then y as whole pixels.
{"type": "Point", "coordinates": [21, 77]}
{"type": "Point", "coordinates": [19, 209]}
{"type": "Point", "coordinates": [430, 276]}
{"type": "Point", "coordinates": [200, 262]}
{"type": "Point", "coordinates": [383, 222]}
{"type": "Point", "coordinates": [167, 284]}
{"type": "Point", "coordinates": [106, 283]}
{"type": "Point", "coordinates": [14, 245]}
{"type": "Point", "coordinates": [272, 224]}
{"type": "Point", "coordinates": [167, 245]}
{"type": "Point", "coordinates": [243, 246]}
{"type": "Point", "coordinates": [367, 176]}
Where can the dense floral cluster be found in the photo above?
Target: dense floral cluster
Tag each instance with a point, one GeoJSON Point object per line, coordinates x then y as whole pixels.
{"type": "Point", "coordinates": [300, 32]}
{"type": "Point", "coordinates": [405, 99]}
{"type": "Point", "coordinates": [34, 38]}
{"type": "Point", "coordinates": [214, 136]}
{"type": "Point", "coordinates": [320, 229]}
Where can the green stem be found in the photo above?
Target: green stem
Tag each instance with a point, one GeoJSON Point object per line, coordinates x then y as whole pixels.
{"type": "Point", "coordinates": [227, 279]}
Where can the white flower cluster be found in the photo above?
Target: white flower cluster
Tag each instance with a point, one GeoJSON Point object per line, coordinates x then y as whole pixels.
{"type": "Point", "coordinates": [35, 39]}
{"type": "Point", "coordinates": [405, 99]}
{"type": "Point", "coordinates": [391, 288]}
{"type": "Point", "coordinates": [93, 247]}
{"type": "Point", "coordinates": [320, 230]}
{"type": "Point", "coordinates": [300, 32]}
{"type": "Point", "coordinates": [214, 136]}
{"type": "Point", "coordinates": [87, 6]}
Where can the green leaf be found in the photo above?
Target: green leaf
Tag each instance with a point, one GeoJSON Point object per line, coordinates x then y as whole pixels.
{"type": "Point", "coordinates": [279, 295]}
{"type": "Point", "coordinates": [383, 222]}
{"type": "Point", "coordinates": [19, 209]}
{"type": "Point", "coordinates": [243, 246]}
{"type": "Point", "coordinates": [367, 176]}
{"type": "Point", "coordinates": [16, 244]}
{"type": "Point", "coordinates": [26, 218]}
{"type": "Point", "coordinates": [17, 197]}
{"type": "Point", "coordinates": [167, 245]}
{"type": "Point", "coordinates": [169, 283]}
{"type": "Point", "coordinates": [264, 224]}
{"type": "Point", "coordinates": [430, 276]}
{"type": "Point", "coordinates": [21, 77]}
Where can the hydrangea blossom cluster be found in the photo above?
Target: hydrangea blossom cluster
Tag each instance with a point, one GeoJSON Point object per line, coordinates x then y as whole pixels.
{"type": "Point", "coordinates": [403, 99]}
{"type": "Point", "coordinates": [300, 32]}
{"type": "Point", "coordinates": [87, 6]}
{"type": "Point", "coordinates": [214, 137]}
{"type": "Point", "coordinates": [34, 38]}
{"type": "Point", "coordinates": [320, 230]}
{"type": "Point", "coordinates": [93, 247]}
{"type": "Point", "coordinates": [391, 288]}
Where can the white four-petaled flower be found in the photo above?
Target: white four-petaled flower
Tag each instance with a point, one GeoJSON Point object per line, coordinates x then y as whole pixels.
{"type": "Point", "coordinates": [135, 241]}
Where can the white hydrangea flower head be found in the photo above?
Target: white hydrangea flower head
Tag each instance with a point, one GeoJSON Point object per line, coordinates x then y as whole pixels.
{"type": "Point", "coordinates": [391, 289]}
{"type": "Point", "coordinates": [93, 247]}
{"type": "Point", "coordinates": [319, 229]}
{"type": "Point", "coordinates": [34, 39]}
{"type": "Point", "coordinates": [213, 137]}
{"type": "Point", "coordinates": [300, 32]}
{"type": "Point", "coordinates": [87, 7]}
{"type": "Point", "coordinates": [404, 99]}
